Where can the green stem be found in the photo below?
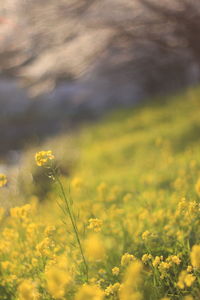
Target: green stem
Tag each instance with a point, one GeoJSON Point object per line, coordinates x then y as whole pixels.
{"type": "Point", "coordinates": [72, 218]}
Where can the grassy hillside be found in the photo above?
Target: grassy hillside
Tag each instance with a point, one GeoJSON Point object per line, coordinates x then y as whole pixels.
{"type": "Point", "coordinates": [132, 183]}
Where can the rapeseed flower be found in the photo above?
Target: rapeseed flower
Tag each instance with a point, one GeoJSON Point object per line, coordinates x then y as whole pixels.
{"type": "Point", "coordinates": [146, 258]}
{"type": "Point", "coordinates": [94, 248]}
{"type": "Point", "coordinates": [27, 290]}
{"type": "Point", "coordinates": [126, 259]}
{"type": "Point", "coordinates": [174, 258]}
{"type": "Point", "coordinates": [132, 279]}
{"type": "Point", "coordinates": [112, 289]}
{"type": "Point", "coordinates": [89, 292]}
{"type": "Point", "coordinates": [76, 183]}
{"type": "Point", "coordinates": [195, 256]}
{"type": "Point", "coordinates": [115, 271]}
{"type": "Point", "coordinates": [146, 234]}
{"type": "Point", "coordinates": [185, 280]}
{"type": "Point", "coordinates": [42, 158]}
{"type": "Point", "coordinates": [95, 224]}
{"type": "Point", "coordinates": [157, 260]}
{"type": "Point", "coordinates": [57, 281]}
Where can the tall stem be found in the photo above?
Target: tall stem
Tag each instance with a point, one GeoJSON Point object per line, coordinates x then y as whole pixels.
{"type": "Point", "coordinates": [72, 218]}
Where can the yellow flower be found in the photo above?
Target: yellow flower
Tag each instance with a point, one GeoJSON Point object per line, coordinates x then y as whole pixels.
{"type": "Point", "coordinates": [189, 269]}
{"type": "Point", "coordinates": [127, 259]}
{"type": "Point", "coordinates": [115, 271]}
{"type": "Point", "coordinates": [197, 187]}
{"type": "Point", "coordinates": [189, 279]}
{"type": "Point", "coordinates": [175, 259]}
{"type": "Point", "coordinates": [163, 268]}
{"type": "Point", "coordinates": [90, 293]}
{"type": "Point", "coordinates": [145, 235]}
{"type": "Point", "coordinates": [112, 289]}
{"type": "Point", "coordinates": [3, 180]}
{"type": "Point", "coordinates": [185, 280]}
{"type": "Point", "coordinates": [49, 230]}
{"type": "Point", "coordinates": [157, 260]}
{"type": "Point", "coordinates": [27, 291]}
{"type": "Point", "coordinates": [102, 271]}
{"type": "Point", "coordinates": [195, 256]}
{"type": "Point", "coordinates": [22, 212]}
{"type": "Point", "coordinates": [95, 224]}
{"type": "Point", "coordinates": [57, 280]}
{"type": "Point", "coordinates": [76, 183]}
{"type": "Point", "coordinates": [94, 248]}
{"type": "Point", "coordinates": [44, 247]}
{"type": "Point", "coordinates": [146, 257]}
{"type": "Point", "coordinates": [6, 265]}
{"type": "Point", "coordinates": [43, 157]}
{"type": "Point", "coordinates": [129, 288]}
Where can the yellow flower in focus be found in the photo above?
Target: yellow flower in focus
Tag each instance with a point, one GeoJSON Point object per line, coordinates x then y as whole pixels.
{"type": "Point", "coordinates": [115, 271]}
{"type": "Point", "coordinates": [174, 259]}
{"type": "Point", "coordinates": [95, 224]}
{"type": "Point", "coordinates": [90, 293]}
{"type": "Point", "coordinates": [146, 258]}
{"type": "Point", "coordinates": [112, 289]}
{"type": "Point", "coordinates": [157, 260]}
{"type": "Point", "coordinates": [127, 259]}
{"type": "Point", "coordinates": [163, 267]}
{"type": "Point", "coordinates": [27, 291]}
{"type": "Point", "coordinates": [94, 248]}
{"type": "Point", "coordinates": [43, 157]}
{"type": "Point", "coordinates": [195, 256]}
{"type": "Point", "coordinates": [58, 281]}
{"type": "Point", "coordinates": [3, 180]}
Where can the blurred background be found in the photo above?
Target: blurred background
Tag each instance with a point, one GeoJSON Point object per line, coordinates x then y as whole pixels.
{"type": "Point", "coordinates": [66, 62]}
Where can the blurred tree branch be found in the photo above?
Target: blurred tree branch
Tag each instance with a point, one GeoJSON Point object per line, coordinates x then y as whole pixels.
{"type": "Point", "coordinates": [63, 39]}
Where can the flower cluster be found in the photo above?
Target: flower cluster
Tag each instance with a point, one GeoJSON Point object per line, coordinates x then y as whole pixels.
{"type": "Point", "coordinates": [134, 205]}
{"type": "Point", "coordinates": [95, 224]}
{"type": "Point", "coordinates": [43, 158]}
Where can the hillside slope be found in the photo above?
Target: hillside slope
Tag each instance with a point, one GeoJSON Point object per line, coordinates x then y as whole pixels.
{"type": "Point", "coordinates": [134, 190]}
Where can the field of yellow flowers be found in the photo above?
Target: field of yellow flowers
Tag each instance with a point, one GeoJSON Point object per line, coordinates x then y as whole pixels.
{"type": "Point", "coordinates": [112, 213]}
